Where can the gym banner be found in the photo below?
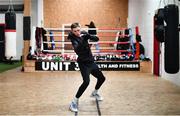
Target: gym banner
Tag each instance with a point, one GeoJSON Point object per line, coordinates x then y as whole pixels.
{"type": "Point", "coordinates": [73, 66]}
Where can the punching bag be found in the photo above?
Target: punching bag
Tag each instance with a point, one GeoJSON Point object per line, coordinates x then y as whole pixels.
{"type": "Point", "coordinates": [2, 52]}
{"type": "Point", "coordinates": [10, 33]}
{"type": "Point", "coordinates": [10, 20]}
{"type": "Point", "coordinates": [171, 17]}
{"type": "Point", "coordinates": [159, 28]}
{"type": "Point", "coordinates": [10, 43]}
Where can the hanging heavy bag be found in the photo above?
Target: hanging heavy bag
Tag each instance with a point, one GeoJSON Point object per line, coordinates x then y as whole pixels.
{"type": "Point", "coordinates": [2, 52]}
{"type": "Point", "coordinates": [159, 33]}
{"type": "Point", "coordinates": [159, 25]}
{"type": "Point", "coordinates": [171, 15]}
{"type": "Point", "coordinates": [10, 17]}
{"type": "Point", "coordinates": [10, 20]}
{"type": "Point", "coordinates": [159, 16]}
{"type": "Point", "coordinates": [10, 33]}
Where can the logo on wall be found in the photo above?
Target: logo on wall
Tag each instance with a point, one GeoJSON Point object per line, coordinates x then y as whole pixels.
{"type": "Point", "coordinates": [73, 66]}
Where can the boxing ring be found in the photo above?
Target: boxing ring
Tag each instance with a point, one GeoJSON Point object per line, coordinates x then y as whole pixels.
{"type": "Point", "coordinates": [115, 50]}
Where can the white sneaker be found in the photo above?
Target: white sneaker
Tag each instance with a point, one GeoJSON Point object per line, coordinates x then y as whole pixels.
{"type": "Point", "coordinates": [97, 96]}
{"type": "Point", "coordinates": [73, 106]}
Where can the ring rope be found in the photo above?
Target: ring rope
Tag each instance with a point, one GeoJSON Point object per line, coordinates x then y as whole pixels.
{"type": "Point", "coordinates": [94, 51]}
{"type": "Point", "coordinates": [60, 35]}
{"type": "Point", "coordinates": [97, 29]}
{"type": "Point", "coordinates": [101, 42]}
{"type": "Point", "coordinates": [59, 29]}
{"type": "Point", "coordinates": [92, 48]}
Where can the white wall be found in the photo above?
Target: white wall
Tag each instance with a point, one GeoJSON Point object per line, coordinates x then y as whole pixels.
{"type": "Point", "coordinates": [19, 35]}
{"type": "Point", "coordinates": [34, 12]}
{"type": "Point", "coordinates": [40, 14]}
{"type": "Point", "coordinates": [37, 15]}
{"type": "Point", "coordinates": [141, 14]}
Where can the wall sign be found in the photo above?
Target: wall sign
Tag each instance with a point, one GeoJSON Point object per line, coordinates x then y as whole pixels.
{"type": "Point", "coordinates": [73, 66]}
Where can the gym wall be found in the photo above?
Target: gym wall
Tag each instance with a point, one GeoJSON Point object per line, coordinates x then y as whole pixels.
{"type": "Point", "coordinates": [144, 18]}
{"type": "Point", "coordinates": [105, 13]}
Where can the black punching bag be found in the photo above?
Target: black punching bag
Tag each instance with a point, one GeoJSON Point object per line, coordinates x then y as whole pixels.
{"type": "Point", "coordinates": [10, 20]}
{"type": "Point", "coordinates": [2, 46]}
{"type": "Point", "coordinates": [171, 16]}
{"type": "Point", "coordinates": [159, 28]}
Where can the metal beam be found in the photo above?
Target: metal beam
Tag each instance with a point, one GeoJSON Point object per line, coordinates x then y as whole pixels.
{"type": "Point", "coordinates": [17, 8]}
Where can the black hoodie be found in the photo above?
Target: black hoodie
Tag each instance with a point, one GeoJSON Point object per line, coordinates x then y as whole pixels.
{"type": "Point", "coordinates": [82, 47]}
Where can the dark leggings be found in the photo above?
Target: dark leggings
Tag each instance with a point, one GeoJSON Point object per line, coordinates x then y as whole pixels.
{"type": "Point", "coordinates": [87, 69]}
